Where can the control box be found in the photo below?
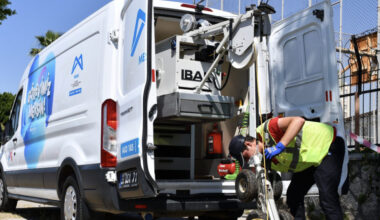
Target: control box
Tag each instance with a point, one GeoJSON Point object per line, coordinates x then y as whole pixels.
{"type": "Point", "coordinates": [182, 63]}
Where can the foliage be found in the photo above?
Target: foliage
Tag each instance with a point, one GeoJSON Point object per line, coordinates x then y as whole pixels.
{"type": "Point", "coordinates": [44, 41]}
{"type": "Point", "coordinates": [5, 11]}
{"type": "Point", "coordinates": [362, 198]}
{"type": "Point", "coordinates": [6, 101]}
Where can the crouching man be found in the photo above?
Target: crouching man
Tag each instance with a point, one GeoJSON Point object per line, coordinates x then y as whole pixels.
{"type": "Point", "coordinates": [310, 150]}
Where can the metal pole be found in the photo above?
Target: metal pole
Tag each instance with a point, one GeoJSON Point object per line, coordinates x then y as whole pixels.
{"type": "Point", "coordinates": [192, 152]}
{"type": "Point", "coordinates": [340, 33]}
{"type": "Point", "coordinates": [310, 3]}
{"type": "Point", "coordinates": [282, 9]}
{"type": "Point", "coordinates": [221, 4]}
{"type": "Point", "coordinates": [252, 100]}
{"type": "Point", "coordinates": [357, 115]}
{"type": "Point", "coordinates": [239, 7]}
{"type": "Point", "coordinates": [358, 90]}
{"type": "Point", "coordinates": [378, 67]}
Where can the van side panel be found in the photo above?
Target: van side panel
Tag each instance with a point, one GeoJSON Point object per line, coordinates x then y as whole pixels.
{"type": "Point", "coordinates": [61, 110]}
{"type": "Point", "coordinates": [76, 111]}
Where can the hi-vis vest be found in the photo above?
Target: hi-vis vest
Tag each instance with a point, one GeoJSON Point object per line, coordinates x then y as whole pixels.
{"type": "Point", "coordinates": [307, 149]}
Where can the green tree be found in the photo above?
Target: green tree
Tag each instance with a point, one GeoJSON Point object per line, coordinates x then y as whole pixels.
{"type": "Point", "coordinates": [6, 101]}
{"type": "Point", "coordinates": [44, 41]}
{"type": "Point", "coordinates": [4, 10]}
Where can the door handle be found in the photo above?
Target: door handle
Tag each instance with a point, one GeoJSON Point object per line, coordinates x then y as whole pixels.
{"type": "Point", "coordinates": [14, 140]}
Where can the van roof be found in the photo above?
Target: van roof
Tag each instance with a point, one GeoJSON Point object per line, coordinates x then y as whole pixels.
{"type": "Point", "coordinates": [180, 6]}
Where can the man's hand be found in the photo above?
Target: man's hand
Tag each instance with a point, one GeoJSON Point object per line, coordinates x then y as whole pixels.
{"type": "Point", "coordinates": [273, 151]}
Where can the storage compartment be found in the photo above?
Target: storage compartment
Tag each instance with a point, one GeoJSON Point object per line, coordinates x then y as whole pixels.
{"type": "Point", "coordinates": [172, 155]}
{"type": "Point", "coordinates": [180, 153]}
{"type": "Point", "coordinates": [194, 108]}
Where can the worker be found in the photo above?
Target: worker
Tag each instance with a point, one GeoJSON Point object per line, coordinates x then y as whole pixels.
{"type": "Point", "coordinates": [310, 150]}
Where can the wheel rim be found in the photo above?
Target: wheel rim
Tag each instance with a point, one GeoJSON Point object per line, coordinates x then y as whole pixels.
{"type": "Point", "coordinates": [70, 204]}
{"type": "Point", "coordinates": [1, 191]}
{"type": "Point", "coordinates": [243, 184]}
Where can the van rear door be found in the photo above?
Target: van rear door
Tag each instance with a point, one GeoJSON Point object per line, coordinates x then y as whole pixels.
{"type": "Point", "coordinates": [136, 110]}
{"type": "Point", "coordinates": [303, 66]}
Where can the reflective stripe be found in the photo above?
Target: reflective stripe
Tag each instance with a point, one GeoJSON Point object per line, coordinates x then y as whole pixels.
{"type": "Point", "coordinates": [296, 152]}
{"type": "Point", "coordinates": [268, 138]}
{"type": "Point", "coordinates": [307, 149]}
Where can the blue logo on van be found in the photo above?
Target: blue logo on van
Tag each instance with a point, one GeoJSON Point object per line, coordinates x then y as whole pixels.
{"type": "Point", "coordinates": [130, 148]}
{"type": "Point", "coordinates": [137, 34]}
{"type": "Point", "coordinates": [37, 108]}
{"type": "Point", "coordinates": [77, 62]}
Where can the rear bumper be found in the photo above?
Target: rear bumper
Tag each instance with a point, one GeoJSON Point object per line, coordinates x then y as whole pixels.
{"type": "Point", "coordinates": [165, 205]}
{"type": "Point", "coordinates": [99, 194]}
{"type": "Point", "coordinates": [105, 197]}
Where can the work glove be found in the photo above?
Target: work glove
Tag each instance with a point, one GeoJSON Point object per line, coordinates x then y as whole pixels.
{"type": "Point", "coordinates": [273, 151]}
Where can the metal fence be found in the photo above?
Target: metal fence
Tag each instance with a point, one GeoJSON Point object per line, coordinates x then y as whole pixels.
{"type": "Point", "coordinates": [359, 87]}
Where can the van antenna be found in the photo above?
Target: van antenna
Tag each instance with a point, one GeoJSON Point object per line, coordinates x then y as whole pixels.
{"type": "Point", "coordinates": [199, 8]}
{"type": "Point", "coordinates": [200, 2]}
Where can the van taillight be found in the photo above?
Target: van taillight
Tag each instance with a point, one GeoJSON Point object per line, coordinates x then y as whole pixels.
{"type": "Point", "coordinates": [194, 7]}
{"type": "Point", "coordinates": [109, 127]}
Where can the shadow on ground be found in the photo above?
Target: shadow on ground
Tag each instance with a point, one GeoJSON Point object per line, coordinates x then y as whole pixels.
{"type": "Point", "coordinates": [53, 213]}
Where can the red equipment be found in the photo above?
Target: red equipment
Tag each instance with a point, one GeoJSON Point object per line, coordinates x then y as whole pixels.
{"type": "Point", "coordinates": [214, 143]}
{"type": "Point", "coordinates": [225, 167]}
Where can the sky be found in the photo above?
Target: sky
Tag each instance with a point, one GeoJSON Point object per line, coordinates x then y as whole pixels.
{"type": "Point", "coordinates": [36, 17]}
{"type": "Point", "coordinates": [33, 18]}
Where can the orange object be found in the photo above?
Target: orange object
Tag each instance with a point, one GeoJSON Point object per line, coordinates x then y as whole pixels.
{"type": "Point", "coordinates": [214, 143]}
{"type": "Point", "coordinates": [224, 169]}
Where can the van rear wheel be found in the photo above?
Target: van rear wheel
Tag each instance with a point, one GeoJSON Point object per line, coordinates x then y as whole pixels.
{"type": "Point", "coordinates": [6, 204]}
{"type": "Point", "coordinates": [73, 207]}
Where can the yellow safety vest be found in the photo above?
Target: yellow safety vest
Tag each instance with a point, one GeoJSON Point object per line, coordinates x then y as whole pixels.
{"type": "Point", "coordinates": [307, 149]}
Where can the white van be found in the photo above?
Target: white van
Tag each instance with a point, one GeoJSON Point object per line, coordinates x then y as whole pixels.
{"type": "Point", "coordinates": [108, 119]}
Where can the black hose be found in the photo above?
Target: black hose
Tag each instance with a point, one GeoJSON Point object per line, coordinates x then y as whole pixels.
{"type": "Point", "coordinates": [225, 82]}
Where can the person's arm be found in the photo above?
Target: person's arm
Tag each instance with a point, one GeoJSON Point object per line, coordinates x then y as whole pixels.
{"type": "Point", "coordinates": [290, 126]}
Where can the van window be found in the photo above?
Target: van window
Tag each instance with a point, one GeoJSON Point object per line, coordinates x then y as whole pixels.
{"type": "Point", "coordinates": [15, 115]}
{"type": "Point", "coordinates": [313, 52]}
{"type": "Point", "coordinates": [292, 60]}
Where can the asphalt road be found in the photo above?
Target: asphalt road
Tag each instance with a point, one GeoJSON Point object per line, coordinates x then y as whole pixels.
{"type": "Point", "coordinates": [34, 211]}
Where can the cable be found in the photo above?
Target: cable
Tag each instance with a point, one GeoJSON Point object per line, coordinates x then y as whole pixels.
{"type": "Point", "coordinates": [225, 82]}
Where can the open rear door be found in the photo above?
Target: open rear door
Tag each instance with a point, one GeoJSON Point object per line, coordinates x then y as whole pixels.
{"type": "Point", "coordinates": [303, 66]}
{"type": "Point", "coordinates": [136, 110]}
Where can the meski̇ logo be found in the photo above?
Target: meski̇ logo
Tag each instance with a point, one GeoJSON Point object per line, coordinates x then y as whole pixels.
{"type": "Point", "coordinates": [140, 19]}
{"type": "Point", "coordinates": [37, 108]}
{"type": "Point", "coordinates": [78, 61]}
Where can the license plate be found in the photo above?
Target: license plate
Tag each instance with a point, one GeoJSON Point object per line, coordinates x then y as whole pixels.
{"type": "Point", "coordinates": [128, 179]}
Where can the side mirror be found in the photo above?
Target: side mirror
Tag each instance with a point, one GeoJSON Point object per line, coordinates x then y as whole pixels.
{"type": "Point", "coordinates": [6, 135]}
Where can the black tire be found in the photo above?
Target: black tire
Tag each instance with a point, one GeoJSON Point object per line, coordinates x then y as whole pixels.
{"type": "Point", "coordinates": [276, 182]}
{"type": "Point", "coordinates": [73, 205]}
{"type": "Point", "coordinates": [246, 185]}
{"type": "Point", "coordinates": [256, 214]}
{"type": "Point", "coordinates": [285, 215]}
{"type": "Point", "coordinates": [6, 204]}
